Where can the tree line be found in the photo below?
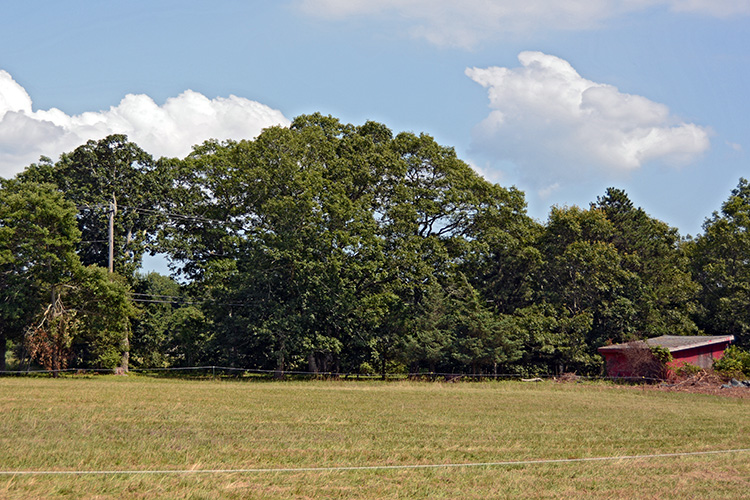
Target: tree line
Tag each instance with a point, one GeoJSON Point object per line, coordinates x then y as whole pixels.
{"type": "Point", "coordinates": [330, 247]}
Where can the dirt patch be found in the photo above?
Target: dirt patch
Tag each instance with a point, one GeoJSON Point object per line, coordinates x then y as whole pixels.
{"type": "Point", "coordinates": [703, 383]}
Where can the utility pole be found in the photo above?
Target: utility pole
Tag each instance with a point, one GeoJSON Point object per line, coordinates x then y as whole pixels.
{"type": "Point", "coordinates": [112, 212]}
{"type": "Point", "coordinates": [126, 341]}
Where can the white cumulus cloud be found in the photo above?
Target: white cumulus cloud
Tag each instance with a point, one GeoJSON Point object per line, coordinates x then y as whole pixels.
{"type": "Point", "coordinates": [715, 8]}
{"type": "Point", "coordinates": [469, 22]}
{"type": "Point", "coordinates": [170, 129]}
{"type": "Point", "coordinates": [555, 124]}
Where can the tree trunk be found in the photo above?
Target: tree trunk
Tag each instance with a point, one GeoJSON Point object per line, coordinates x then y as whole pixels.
{"type": "Point", "coordinates": [311, 364]}
{"type": "Point", "coordinates": [125, 360]}
{"type": "Point", "coordinates": [56, 364]}
{"type": "Point", "coordinates": [3, 351]}
{"type": "Point", "coordinates": [280, 362]}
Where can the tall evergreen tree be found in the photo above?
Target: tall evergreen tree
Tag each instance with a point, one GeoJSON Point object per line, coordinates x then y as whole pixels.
{"type": "Point", "coordinates": [720, 259]}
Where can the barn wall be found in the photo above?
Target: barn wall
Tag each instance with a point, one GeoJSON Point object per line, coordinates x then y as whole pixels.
{"type": "Point", "coordinates": [703, 356]}
{"type": "Point", "coordinates": [617, 364]}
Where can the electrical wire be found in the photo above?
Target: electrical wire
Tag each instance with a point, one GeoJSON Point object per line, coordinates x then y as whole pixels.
{"type": "Point", "coordinates": [345, 468]}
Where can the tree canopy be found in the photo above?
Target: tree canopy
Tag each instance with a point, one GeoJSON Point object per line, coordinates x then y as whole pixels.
{"type": "Point", "coordinates": [721, 266]}
{"type": "Point", "coordinates": [326, 246]}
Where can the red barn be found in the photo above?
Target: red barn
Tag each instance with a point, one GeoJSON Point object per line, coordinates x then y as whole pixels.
{"type": "Point", "coordinates": [700, 351]}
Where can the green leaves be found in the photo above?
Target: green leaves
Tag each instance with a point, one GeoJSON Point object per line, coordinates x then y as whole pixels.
{"type": "Point", "coordinates": [335, 234]}
{"type": "Point", "coordinates": [329, 246]}
{"type": "Point", "coordinates": [61, 307]}
{"type": "Point", "coordinates": [98, 173]}
{"type": "Point", "coordinates": [721, 265]}
{"type": "Point", "coordinates": [607, 274]}
{"type": "Point", "coordinates": [38, 236]}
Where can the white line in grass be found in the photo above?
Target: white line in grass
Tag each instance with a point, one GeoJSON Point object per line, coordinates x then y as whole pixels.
{"type": "Point", "coordinates": [367, 467]}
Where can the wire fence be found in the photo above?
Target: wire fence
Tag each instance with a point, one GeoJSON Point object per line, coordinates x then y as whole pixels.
{"type": "Point", "coordinates": [344, 468]}
{"type": "Point", "coordinates": [228, 372]}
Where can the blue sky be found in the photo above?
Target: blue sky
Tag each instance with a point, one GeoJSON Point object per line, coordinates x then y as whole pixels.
{"type": "Point", "coordinates": [561, 99]}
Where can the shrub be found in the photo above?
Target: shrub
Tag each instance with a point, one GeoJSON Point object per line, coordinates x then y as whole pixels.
{"type": "Point", "coordinates": [365, 368]}
{"type": "Point", "coordinates": [734, 362]}
{"type": "Point", "coordinates": [688, 370]}
{"type": "Point", "coordinates": [662, 354]}
{"type": "Point", "coordinates": [645, 362]}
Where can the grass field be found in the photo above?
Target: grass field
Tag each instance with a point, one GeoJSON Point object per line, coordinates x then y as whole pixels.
{"type": "Point", "coordinates": [108, 423]}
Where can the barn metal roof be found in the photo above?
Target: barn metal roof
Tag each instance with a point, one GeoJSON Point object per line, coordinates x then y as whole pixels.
{"type": "Point", "coordinates": [674, 342]}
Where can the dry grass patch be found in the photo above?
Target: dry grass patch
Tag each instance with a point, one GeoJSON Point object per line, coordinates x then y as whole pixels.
{"type": "Point", "coordinates": [135, 423]}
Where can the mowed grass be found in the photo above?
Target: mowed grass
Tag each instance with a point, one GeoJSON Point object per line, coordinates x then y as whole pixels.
{"type": "Point", "coordinates": [143, 424]}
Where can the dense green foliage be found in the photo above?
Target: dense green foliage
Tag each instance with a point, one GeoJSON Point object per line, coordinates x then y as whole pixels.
{"type": "Point", "coordinates": [52, 305]}
{"type": "Point", "coordinates": [332, 247]}
{"type": "Point", "coordinates": [94, 176]}
{"type": "Point", "coordinates": [735, 362]}
{"type": "Point", "coordinates": [721, 265]}
{"type": "Point", "coordinates": [38, 235]}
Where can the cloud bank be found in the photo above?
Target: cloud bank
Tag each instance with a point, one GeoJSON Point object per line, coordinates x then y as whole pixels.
{"type": "Point", "coordinates": [167, 130]}
{"type": "Point", "coordinates": [467, 23]}
{"type": "Point", "coordinates": [557, 125]}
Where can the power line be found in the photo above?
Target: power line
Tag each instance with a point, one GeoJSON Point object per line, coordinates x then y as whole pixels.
{"type": "Point", "coordinates": [172, 215]}
{"type": "Point", "coordinates": [174, 299]}
{"type": "Point", "coordinates": [239, 304]}
{"type": "Point", "coordinates": [178, 216]}
{"type": "Point", "coordinates": [157, 295]}
{"type": "Point", "coordinates": [344, 468]}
